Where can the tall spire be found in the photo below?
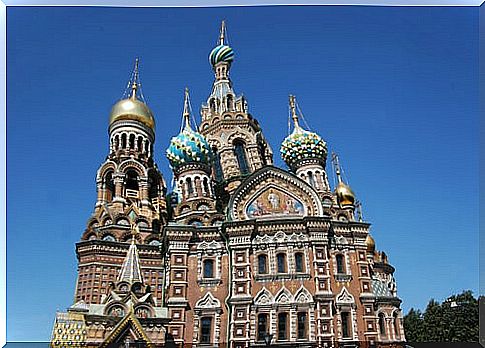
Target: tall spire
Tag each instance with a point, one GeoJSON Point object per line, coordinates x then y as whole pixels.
{"type": "Point", "coordinates": [186, 113]}
{"type": "Point", "coordinates": [222, 33]}
{"type": "Point", "coordinates": [336, 165]}
{"type": "Point", "coordinates": [134, 82]}
{"type": "Point", "coordinates": [131, 270]}
{"type": "Point", "coordinates": [294, 115]}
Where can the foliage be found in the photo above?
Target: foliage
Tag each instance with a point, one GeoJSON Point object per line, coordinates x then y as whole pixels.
{"type": "Point", "coordinates": [453, 320]}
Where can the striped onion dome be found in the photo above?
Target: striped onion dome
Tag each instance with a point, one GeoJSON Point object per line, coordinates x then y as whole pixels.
{"type": "Point", "coordinates": [302, 144]}
{"type": "Point", "coordinates": [188, 147]}
{"type": "Point", "coordinates": [221, 53]}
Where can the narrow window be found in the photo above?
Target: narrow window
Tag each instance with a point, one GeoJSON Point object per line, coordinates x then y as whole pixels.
{"type": "Point", "coordinates": [123, 140]}
{"type": "Point", "coordinates": [345, 324]}
{"type": "Point", "coordinates": [262, 326]}
{"type": "Point", "coordinates": [206, 187]}
{"type": "Point", "coordinates": [311, 180]}
{"type": "Point", "coordinates": [340, 264]}
{"type": "Point", "coordinates": [382, 324]}
{"type": "Point", "coordinates": [117, 142]}
{"type": "Point", "coordinates": [139, 144]}
{"type": "Point", "coordinates": [262, 264]}
{"type": "Point", "coordinates": [146, 146]}
{"type": "Point", "coordinates": [217, 165]}
{"type": "Point", "coordinates": [281, 259]}
{"type": "Point", "coordinates": [230, 102]}
{"type": "Point", "coordinates": [240, 153]}
{"type": "Point", "coordinates": [299, 263]}
{"type": "Point", "coordinates": [396, 324]}
{"type": "Point", "coordinates": [132, 180]}
{"type": "Point", "coordinates": [282, 324]}
{"type": "Point", "coordinates": [110, 186]}
{"type": "Point", "coordinates": [208, 269]}
{"type": "Point", "coordinates": [302, 325]}
{"type": "Point", "coordinates": [206, 330]}
{"type": "Point", "coordinates": [132, 141]}
{"type": "Point", "coordinates": [190, 187]}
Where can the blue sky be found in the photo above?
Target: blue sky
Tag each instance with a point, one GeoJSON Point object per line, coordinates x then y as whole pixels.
{"type": "Point", "coordinates": [393, 90]}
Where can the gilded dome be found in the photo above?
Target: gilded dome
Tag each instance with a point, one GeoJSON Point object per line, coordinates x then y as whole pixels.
{"type": "Point", "coordinates": [345, 195]}
{"type": "Point", "coordinates": [302, 144]}
{"type": "Point", "coordinates": [221, 53]}
{"type": "Point", "coordinates": [132, 109]}
{"type": "Point", "coordinates": [370, 243]}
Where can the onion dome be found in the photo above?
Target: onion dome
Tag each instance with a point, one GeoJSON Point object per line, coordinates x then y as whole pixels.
{"type": "Point", "coordinates": [222, 52]}
{"type": "Point", "coordinates": [345, 195]}
{"type": "Point", "coordinates": [189, 146]}
{"type": "Point", "coordinates": [301, 144]}
{"type": "Point", "coordinates": [370, 243]}
{"type": "Point", "coordinates": [133, 108]}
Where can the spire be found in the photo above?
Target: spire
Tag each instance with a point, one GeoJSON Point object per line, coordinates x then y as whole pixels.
{"type": "Point", "coordinates": [134, 80]}
{"type": "Point", "coordinates": [336, 165]}
{"type": "Point", "coordinates": [130, 270]}
{"type": "Point", "coordinates": [186, 113]}
{"type": "Point", "coordinates": [294, 115]}
{"type": "Point", "coordinates": [222, 33]}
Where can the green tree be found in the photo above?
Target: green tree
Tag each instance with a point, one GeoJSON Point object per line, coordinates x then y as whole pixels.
{"type": "Point", "coordinates": [453, 320]}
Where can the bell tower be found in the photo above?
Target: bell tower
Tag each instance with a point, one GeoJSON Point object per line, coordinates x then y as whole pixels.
{"type": "Point", "coordinates": [236, 138]}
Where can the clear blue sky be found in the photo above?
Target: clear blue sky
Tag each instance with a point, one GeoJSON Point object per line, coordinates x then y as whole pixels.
{"type": "Point", "coordinates": [393, 90]}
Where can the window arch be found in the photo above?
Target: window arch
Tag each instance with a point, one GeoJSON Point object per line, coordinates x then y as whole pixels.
{"type": "Point", "coordinates": [339, 258]}
{"type": "Point", "coordinates": [109, 238]}
{"type": "Point", "coordinates": [132, 141]}
{"type": "Point", "coordinates": [109, 186]}
{"type": "Point", "coordinates": [240, 153]}
{"type": "Point", "coordinates": [205, 184]}
{"type": "Point", "coordinates": [117, 141]}
{"type": "Point", "coordinates": [382, 324]}
{"type": "Point", "coordinates": [139, 144]}
{"type": "Point", "coordinates": [230, 102]}
{"type": "Point", "coordinates": [190, 187]}
{"type": "Point", "coordinates": [123, 140]}
{"type": "Point", "coordinates": [262, 264]}
{"type": "Point", "coordinates": [131, 181]}
{"type": "Point", "coordinates": [311, 180]}
{"type": "Point", "coordinates": [281, 263]}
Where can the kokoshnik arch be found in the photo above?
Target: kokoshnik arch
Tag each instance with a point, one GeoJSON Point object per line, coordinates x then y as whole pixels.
{"type": "Point", "coordinates": [240, 254]}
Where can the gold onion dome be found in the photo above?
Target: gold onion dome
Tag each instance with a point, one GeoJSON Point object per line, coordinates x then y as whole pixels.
{"type": "Point", "coordinates": [370, 243]}
{"type": "Point", "coordinates": [301, 144]}
{"type": "Point", "coordinates": [132, 108]}
{"type": "Point", "coordinates": [345, 195]}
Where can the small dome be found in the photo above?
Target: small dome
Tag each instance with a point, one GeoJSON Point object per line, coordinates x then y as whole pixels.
{"type": "Point", "coordinates": [345, 195]}
{"type": "Point", "coordinates": [132, 109]}
{"type": "Point", "coordinates": [221, 53]}
{"type": "Point", "coordinates": [187, 147]}
{"type": "Point", "coordinates": [370, 243]}
{"type": "Point", "coordinates": [302, 144]}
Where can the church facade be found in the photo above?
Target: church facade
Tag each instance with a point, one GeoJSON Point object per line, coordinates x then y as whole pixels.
{"type": "Point", "coordinates": [240, 253]}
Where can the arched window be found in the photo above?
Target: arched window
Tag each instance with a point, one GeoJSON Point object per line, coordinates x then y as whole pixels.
{"type": "Point", "coordinates": [131, 180]}
{"type": "Point", "coordinates": [396, 324]}
{"type": "Point", "coordinates": [345, 317]}
{"type": "Point", "coordinates": [123, 141]}
{"type": "Point", "coordinates": [340, 264]}
{"type": "Point", "coordinates": [146, 146]}
{"type": "Point", "coordinates": [153, 186]}
{"type": "Point", "coordinates": [109, 238]}
{"type": "Point", "coordinates": [281, 260]}
{"type": "Point", "coordinates": [139, 144]}
{"type": "Point", "coordinates": [299, 263]}
{"type": "Point", "coordinates": [205, 184]}
{"type": "Point", "coordinates": [262, 326]}
{"type": "Point", "coordinates": [262, 264]}
{"type": "Point", "coordinates": [217, 165]}
{"type": "Point", "coordinates": [117, 141]}
{"type": "Point", "coordinates": [240, 154]}
{"type": "Point", "coordinates": [206, 330]}
{"type": "Point", "coordinates": [261, 149]}
{"type": "Point", "coordinates": [311, 180]}
{"type": "Point", "coordinates": [109, 186]}
{"type": "Point", "coordinates": [230, 102]}
{"type": "Point", "coordinates": [190, 187]}
{"type": "Point", "coordinates": [132, 141]}
{"type": "Point", "coordinates": [208, 268]}
{"type": "Point", "coordinates": [382, 324]}
{"type": "Point", "coordinates": [212, 105]}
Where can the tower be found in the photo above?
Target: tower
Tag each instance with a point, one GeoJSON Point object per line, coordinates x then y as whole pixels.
{"type": "Point", "coordinates": [236, 138]}
{"type": "Point", "coordinates": [119, 293]}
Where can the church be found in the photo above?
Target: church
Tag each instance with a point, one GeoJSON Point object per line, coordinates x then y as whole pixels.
{"type": "Point", "coordinates": [240, 253]}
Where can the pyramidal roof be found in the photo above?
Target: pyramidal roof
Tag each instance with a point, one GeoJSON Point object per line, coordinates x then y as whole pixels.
{"type": "Point", "coordinates": [131, 271]}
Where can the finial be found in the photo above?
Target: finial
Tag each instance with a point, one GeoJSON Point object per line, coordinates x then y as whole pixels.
{"type": "Point", "coordinates": [135, 231]}
{"type": "Point", "coordinates": [360, 217]}
{"type": "Point", "coordinates": [336, 165]}
{"type": "Point", "coordinates": [294, 115]}
{"type": "Point", "coordinates": [134, 84]}
{"type": "Point", "coordinates": [222, 34]}
{"type": "Point", "coordinates": [186, 114]}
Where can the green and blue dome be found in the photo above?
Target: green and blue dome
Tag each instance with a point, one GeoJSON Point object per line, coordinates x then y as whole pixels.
{"type": "Point", "coordinates": [188, 147]}
{"type": "Point", "coordinates": [302, 144]}
{"type": "Point", "coordinates": [221, 53]}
